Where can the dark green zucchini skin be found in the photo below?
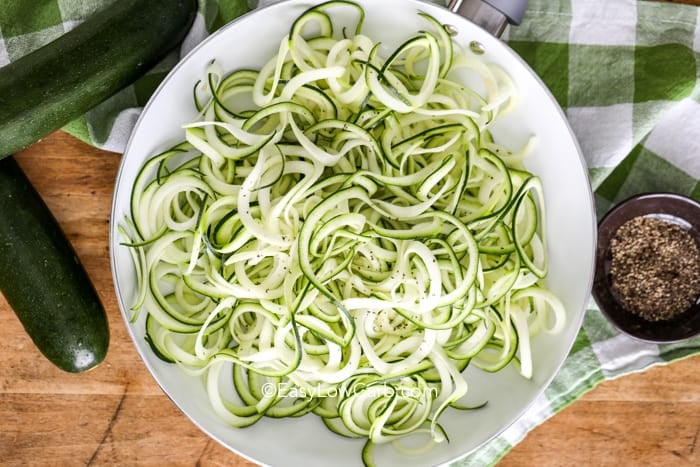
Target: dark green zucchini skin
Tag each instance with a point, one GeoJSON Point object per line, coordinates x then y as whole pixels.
{"type": "Point", "coordinates": [43, 281]}
{"type": "Point", "coordinates": [46, 89]}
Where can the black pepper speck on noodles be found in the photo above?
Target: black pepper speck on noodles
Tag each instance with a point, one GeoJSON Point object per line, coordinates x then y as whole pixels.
{"type": "Point", "coordinates": [655, 268]}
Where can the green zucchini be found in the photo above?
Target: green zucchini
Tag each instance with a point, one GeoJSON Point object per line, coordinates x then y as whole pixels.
{"type": "Point", "coordinates": [46, 89]}
{"type": "Point", "coordinates": [43, 281]}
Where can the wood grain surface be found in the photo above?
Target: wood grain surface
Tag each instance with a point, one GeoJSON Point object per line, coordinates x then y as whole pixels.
{"type": "Point", "coordinates": [117, 415]}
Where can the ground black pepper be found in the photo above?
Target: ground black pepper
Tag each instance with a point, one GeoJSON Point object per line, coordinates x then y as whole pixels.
{"type": "Point", "coordinates": [655, 268]}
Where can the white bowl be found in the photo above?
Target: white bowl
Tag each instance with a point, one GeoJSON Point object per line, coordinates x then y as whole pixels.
{"type": "Point", "coordinates": [571, 228]}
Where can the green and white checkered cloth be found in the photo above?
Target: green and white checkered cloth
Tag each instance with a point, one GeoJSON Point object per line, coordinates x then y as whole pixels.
{"type": "Point", "coordinates": [626, 72]}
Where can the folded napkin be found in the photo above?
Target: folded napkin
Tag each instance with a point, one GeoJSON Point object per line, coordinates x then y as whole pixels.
{"type": "Point", "coordinates": [626, 72]}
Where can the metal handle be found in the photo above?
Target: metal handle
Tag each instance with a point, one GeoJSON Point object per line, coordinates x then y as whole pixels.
{"type": "Point", "coordinates": [492, 15]}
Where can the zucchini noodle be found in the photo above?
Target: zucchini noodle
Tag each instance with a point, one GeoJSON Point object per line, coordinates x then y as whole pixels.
{"type": "Point", "coordinates": [338, 233]}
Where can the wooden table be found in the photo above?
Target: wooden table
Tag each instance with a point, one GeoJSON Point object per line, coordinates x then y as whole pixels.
{"type": "Point", "coordinates": [117, 415]}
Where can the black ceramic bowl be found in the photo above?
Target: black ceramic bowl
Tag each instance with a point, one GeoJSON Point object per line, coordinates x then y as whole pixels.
{"type": "Point", "coordinates": [671, 207]}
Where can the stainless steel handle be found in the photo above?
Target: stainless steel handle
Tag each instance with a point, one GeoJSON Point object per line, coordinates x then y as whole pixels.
{"type": "Point", "coordinates": [492, 15]}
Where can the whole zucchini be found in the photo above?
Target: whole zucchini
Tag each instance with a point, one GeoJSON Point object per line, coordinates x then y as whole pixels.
{"type": "Point", "coordinates": [43, 281]}
{"type": "Point", "coordinates": [46, 89]}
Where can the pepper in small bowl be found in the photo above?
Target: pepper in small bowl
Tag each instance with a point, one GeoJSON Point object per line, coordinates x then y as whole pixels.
{"type": "Point", "coordinates": [647, 280]}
